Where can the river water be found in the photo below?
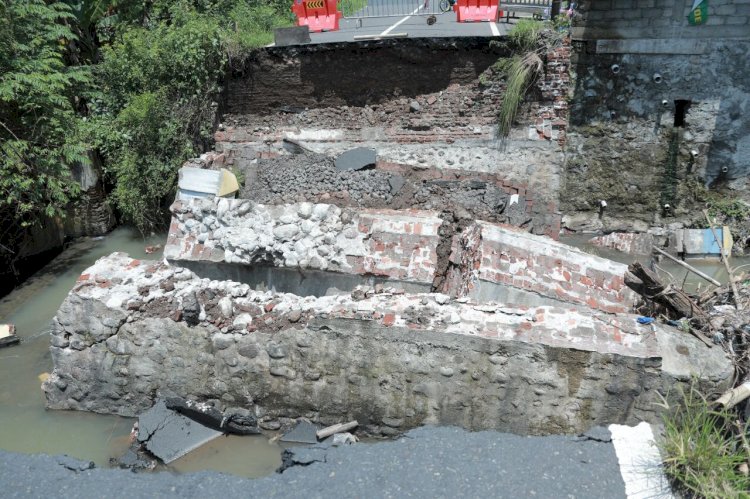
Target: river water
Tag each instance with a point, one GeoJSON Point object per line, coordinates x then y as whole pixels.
{"type": "Point", "coordinates": [26, 426]}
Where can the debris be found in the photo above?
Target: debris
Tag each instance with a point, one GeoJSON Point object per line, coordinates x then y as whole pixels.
{"type": "Point", "coordinates": [169, 435]}
{"type": "Point", "coordinates": [734, 396]}
{"type": "Point", "coordinates": [414, 106]}
{"type": "Point", "coordinates": [689, 267]}
{"type": "Point", "coordinates": [337, 428]}
{"type": "Point", "coordinates": [202, 183]}
{"type": "Point", "coordinates": [645, 320]}
{"type": "Point", "coordinates": [356, 159]}
{"type": "Point", "coordinates": [8, 335]}
{"type": "Point", "coordinates": [152, 249]}
{"type": "Point", "coordinates": [396, 182]}
{"type": "Point", "coordinates": [344, 439]}
{"type": "Point", "coordinates": [647, 284]}
{"type": "Point", "coordinates": [676, 302]}
{"type": "Point", "coordinates": [303, 433]}
{"type": "Point", "coordinates": [237, 421]}
{"type": "Point", "coordinates": [725, 259]}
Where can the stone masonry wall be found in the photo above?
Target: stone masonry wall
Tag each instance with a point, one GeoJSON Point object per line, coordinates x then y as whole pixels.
{"type": "Point", "coordinates": [399, 245]}
{"type": "Point", "coordinates": [132, 331]}
{"type": "Point", "coordinates": [666, 19]}
{"type": "Point", "coordinates": [658, 112]}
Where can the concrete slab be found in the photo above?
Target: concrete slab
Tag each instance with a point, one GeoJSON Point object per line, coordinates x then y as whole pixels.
{"type": "Point", "coordinates": [169, 435]}
{"type": "Point", "coordinates": [303, 433]}
{"type": "Point", "coordinates": [356, 159]}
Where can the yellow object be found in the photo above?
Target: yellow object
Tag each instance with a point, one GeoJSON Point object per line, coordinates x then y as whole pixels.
{"type": "Point", "coordinates": [727, 241]}
{"type": "Point", "coordinates": [228, 184]}
{"type": "Point", "coordinates": [43, 377]}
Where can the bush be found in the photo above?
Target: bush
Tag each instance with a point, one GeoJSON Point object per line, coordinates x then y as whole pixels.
{"type": "Point", "coordinates": [158, 84]}
{"type": "Point", "coordinates": [154, 109]}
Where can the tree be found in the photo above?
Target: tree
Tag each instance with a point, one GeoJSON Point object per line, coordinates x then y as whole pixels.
{"type": "Point", "coordinates": [38, 122]}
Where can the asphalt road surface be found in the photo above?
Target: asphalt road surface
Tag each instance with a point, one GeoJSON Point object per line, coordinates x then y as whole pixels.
{"type": "Point", "coordinates": [429, 462]}
{"type": "Point", "coordinates": [392, 17]}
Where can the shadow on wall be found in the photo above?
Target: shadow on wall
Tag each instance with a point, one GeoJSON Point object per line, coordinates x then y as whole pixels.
{"type": "Point", "coordinates": [355, 74]}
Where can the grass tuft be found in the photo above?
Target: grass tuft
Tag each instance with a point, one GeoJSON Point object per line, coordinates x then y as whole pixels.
{"type": "Point", "coordinates": [703, 448]}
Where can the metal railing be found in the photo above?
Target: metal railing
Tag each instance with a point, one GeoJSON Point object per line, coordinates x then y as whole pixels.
{"type": "Point", "coordinates": [539, 8]}
{"type": "Point", "coordinates": [359, 9]}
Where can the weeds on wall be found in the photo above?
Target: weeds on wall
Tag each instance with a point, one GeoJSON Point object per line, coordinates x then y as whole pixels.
{"type": "Point", "coordinates": [531, 40]}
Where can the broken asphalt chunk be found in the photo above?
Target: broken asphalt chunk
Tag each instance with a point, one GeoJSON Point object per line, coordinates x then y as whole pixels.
{"type": "Point", "coordinates": [356, 159]}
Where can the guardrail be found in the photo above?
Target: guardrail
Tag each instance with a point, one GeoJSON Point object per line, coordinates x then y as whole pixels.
{"type": "Point", "coordinates": [360, 9]}
{"type": "Point", "coordinates": [540, 9]}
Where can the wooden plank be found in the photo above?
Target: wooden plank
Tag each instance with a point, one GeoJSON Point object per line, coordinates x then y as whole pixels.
{"type": "Point", "coordinates": [337, 428]}
{"type": "Point", "coordinates": [689, 267]}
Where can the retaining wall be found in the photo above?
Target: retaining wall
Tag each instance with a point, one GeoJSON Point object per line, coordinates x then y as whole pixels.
{"type": "Point", "coordinates": [658, 112]}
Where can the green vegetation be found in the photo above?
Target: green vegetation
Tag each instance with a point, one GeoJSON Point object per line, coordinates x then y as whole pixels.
{"type": "Point", "coordinates": [349, 7]}
{"type": "Point", "coordinates": [531, 40]}
{"type": "Point", "coordinates": [728, 209]}
{"type": "Point", "coordinates": [134, 83]}
{"type": "Point", "coordinates": [38, 121]}
{"type": "Point", "coordinates": [704, 449]}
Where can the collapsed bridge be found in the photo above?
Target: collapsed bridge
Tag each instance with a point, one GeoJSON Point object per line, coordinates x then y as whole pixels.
{"type": "Point", "coordinates": [423, 289]}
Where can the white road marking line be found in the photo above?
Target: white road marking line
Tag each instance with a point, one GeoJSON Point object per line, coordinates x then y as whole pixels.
{"type": "Point", "coordinates": [401, 21]}
{"type": "Point", "coordinates": [493, 27]}
{"type": "Point", "coordinates": [640, 462]}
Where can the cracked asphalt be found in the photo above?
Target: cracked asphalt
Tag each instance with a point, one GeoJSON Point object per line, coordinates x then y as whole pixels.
{"type": "Point", "coordinates": [430, 462]}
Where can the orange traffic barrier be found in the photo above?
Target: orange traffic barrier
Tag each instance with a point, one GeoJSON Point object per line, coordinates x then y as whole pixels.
{"type": "Point", "coordinates": [477, 10]}
{"type": "Point", "coordinates": [318, 15]}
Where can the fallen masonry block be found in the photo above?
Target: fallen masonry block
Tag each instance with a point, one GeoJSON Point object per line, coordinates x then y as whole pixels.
{"type": "Point", "coordinates": [395, 245]}
{"type": "Point", "coordinates": [391, 362]}
{"type": "Point", "coordinates": [500, 263]}
{"type": "Point", "coordinates": [169, 435]}
{"type": "Point", "coordinates": [627, 242]}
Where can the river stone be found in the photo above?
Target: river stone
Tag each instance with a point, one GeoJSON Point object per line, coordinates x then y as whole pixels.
{"type": "Point", "coordinates": [225, 305]}
{"type": "Point", "coordinates": [191, 309]}
{"type": "Point", "coordinates": [276, 351]}
{"type": "Point", "coordinates": [285, 232]}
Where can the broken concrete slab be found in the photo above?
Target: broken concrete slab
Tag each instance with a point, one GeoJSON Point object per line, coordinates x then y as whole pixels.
{"type": "Point", "coordinates": [356, 159]}
{"type": "Point", "coordinates": [169, 435]}
{"type": "Point", "coordinates": [303, 433]}
{"type": "Point", "coordinates": [295, 35]}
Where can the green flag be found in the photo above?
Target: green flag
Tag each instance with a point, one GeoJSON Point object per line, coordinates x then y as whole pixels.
{"type": "Point", "coordinates": [699, 12]}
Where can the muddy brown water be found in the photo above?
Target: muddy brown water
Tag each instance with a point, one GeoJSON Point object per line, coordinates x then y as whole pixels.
{"type": "Point", "coordinates": [26, 426]}
{"type": "Point", "coordinates": [668, 270]}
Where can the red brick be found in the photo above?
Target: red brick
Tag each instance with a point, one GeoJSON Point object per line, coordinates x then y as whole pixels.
{"type": "Point", "coordinates": [389, 319]}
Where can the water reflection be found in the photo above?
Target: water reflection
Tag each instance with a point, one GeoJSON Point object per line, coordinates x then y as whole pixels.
{"type": "Point", "coordinates": [28, 427]}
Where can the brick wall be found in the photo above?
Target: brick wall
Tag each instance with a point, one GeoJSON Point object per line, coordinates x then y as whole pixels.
{"type": "Point", "coordinates": [534, 264]}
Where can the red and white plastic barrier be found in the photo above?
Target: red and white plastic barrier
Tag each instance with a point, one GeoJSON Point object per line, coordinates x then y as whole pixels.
{"type": "Point", "coordinates": [318, 15]}
{"type": "Point", "coordinates": [477, 10]}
